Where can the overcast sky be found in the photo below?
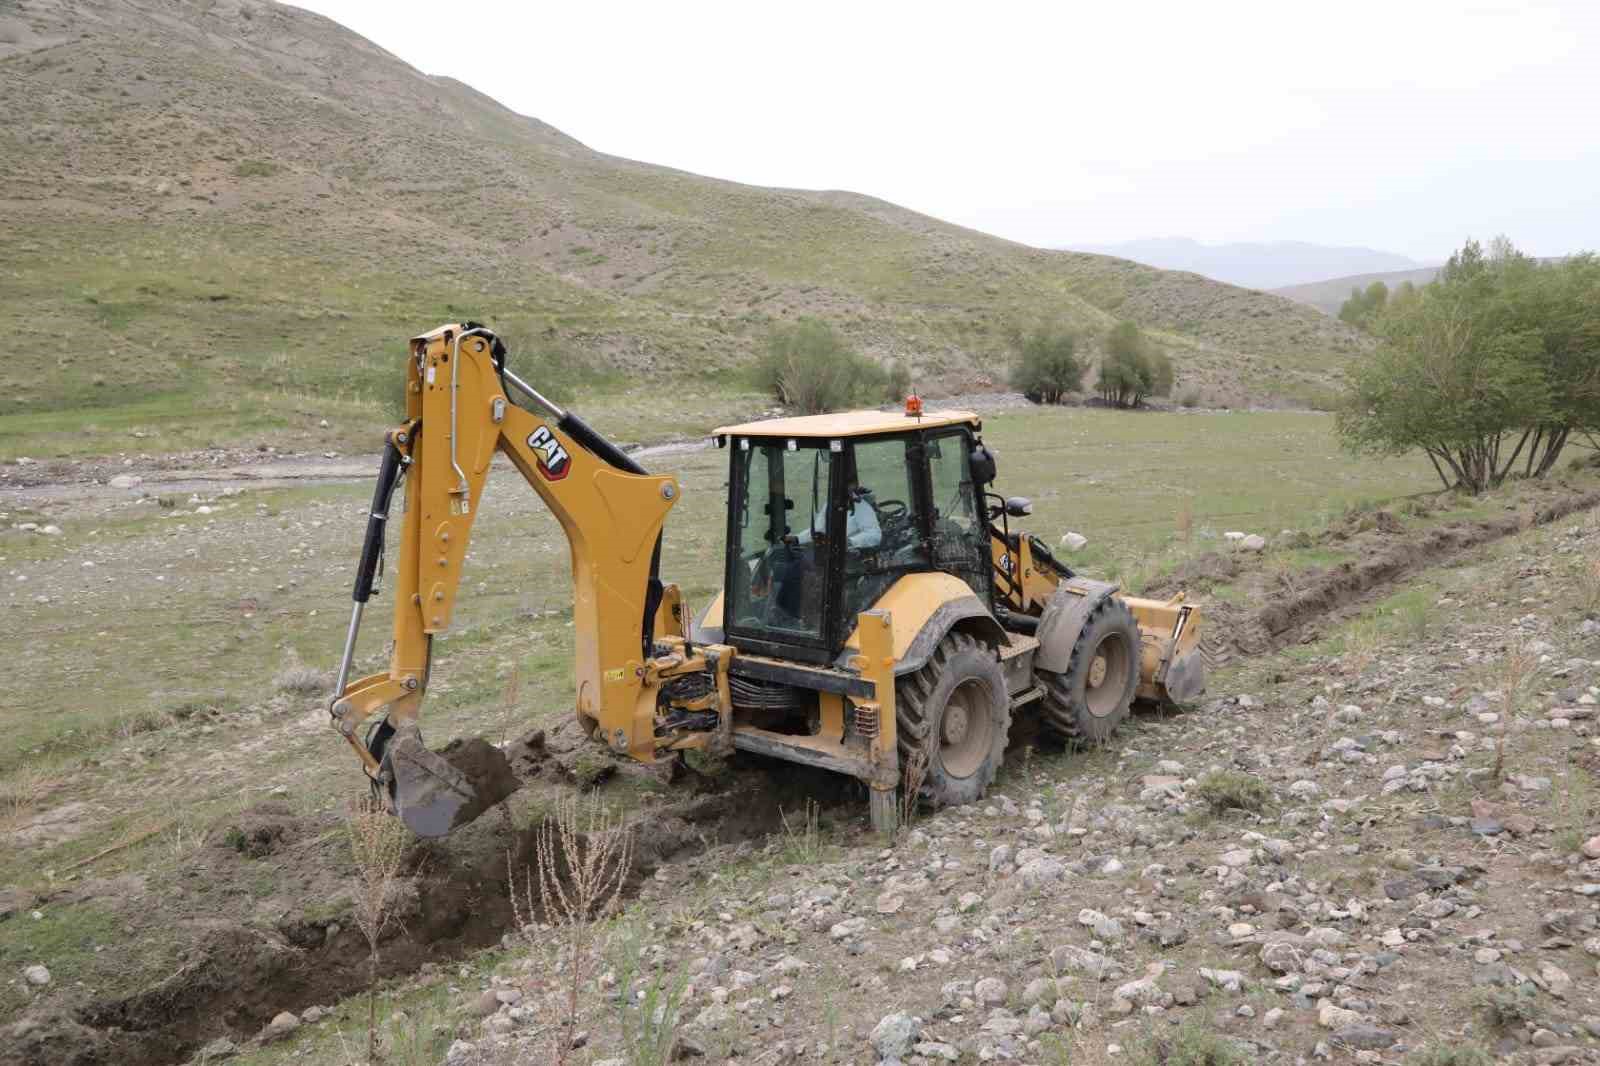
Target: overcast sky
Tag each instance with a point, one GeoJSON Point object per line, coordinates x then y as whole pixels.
{"type": "Point", "coordinates": [1402, 126]}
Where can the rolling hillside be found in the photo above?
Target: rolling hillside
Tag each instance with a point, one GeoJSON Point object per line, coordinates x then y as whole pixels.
{"type": "Point", "coordinates": [224, 216]}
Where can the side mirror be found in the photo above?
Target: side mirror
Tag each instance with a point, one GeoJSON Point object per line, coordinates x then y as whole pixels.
{"type": "Point", "coordinates": [982, 462]}
{"type": "Point", "coordinates": [1019, 506]}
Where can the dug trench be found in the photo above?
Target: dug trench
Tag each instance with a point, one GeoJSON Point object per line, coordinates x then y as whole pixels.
{"type": "Point", "coordinates": [453, 897]}
{"type": "Point", "coordinates": [1276, 610]}
{"type": "Point", "coordinates": [238, 973]}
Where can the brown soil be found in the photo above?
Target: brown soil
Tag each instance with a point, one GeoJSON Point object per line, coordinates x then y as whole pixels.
{"type": "Point", "coordinates": [239, 973]}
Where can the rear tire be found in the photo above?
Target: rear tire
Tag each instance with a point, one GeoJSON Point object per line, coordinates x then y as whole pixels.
{"type": "Point", "coordinates": [954, 713]}
{"type": "Point", "coordinates": [1086, 703]}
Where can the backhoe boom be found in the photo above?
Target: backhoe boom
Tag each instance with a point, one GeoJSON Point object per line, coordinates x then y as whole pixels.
{"type": "Point", "coordinates": [458, 417]}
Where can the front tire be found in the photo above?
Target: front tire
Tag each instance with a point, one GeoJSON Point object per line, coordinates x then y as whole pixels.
{"type": "Point", "coordinates": [955, 713]}
{"type": "Point", "coordinates": [1087, 702]}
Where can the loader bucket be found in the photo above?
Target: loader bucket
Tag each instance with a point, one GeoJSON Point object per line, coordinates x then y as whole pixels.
{"type": "Point", "coordinates": [1171, 668]}
{"type": "Point", "coordinates": [437, 792]}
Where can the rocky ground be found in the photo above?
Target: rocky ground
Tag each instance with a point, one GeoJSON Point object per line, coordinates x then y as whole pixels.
{"type": "Point", "coordinates": [1378, 847]}
{"type": "Point", "coordinates": [1375, 841]}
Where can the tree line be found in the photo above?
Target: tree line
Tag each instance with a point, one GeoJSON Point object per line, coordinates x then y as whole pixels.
{"type": "Point", "coordinates": [1491, 369]}
{"type": "Point", "coordinates": [808, 365]}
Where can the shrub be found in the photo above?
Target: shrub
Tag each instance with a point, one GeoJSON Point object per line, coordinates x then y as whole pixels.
{"type": "Point", "coordinates": [1190, 398]}
{"type": "Point", "coordinates": [255, 168]}
{"type": "Point", "coordinates": [809, 366]}
{"type": "Point", "coordinates": [1450, 1055]}
{"type": "Point", "coordinates": [899, 382]}
{"type": "Point", "coordinates": [1046, 368]}
{"type": "Point", "coordinates": [1506, 1009]}
{"type": "Point", "coordinates": [1191, 1045]}
{"type": "Point", "coordinates": [297, 679]}
{"type": "Point", "coordinates": [1133, 368]}
{"type": "Point", "coordinates": [1223, 790]}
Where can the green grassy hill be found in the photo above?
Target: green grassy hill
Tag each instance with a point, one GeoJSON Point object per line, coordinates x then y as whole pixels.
{"type": "Point", "coordinates": [223, 217]}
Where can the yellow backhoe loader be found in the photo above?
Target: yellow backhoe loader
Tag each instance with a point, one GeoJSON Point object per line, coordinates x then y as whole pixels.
{"type": "Point", "coordinates": [877, 608]}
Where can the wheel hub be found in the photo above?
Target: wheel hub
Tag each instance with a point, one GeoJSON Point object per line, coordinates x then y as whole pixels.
{"type": "Point", "coordinates": [1097, 671]}
{"type": "Point", "coordinates": [955, 724]}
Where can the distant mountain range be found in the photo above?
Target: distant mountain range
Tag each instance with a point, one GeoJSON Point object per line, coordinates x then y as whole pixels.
{"type": "Point", "coordinates": [1269, 265]}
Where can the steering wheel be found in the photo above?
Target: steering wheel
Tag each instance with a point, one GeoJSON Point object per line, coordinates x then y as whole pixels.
{"type": "Point", "coordinates": [894, 517]}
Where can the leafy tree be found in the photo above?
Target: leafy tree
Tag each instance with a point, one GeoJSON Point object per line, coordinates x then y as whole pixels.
{"type": "Point", "coordinates": [1133, 368]}
{"type": "Point", "coordinates": [809, 366]}
{"type": "Point", "coordinates": [1364, 306]}
{"type": "Point", "coordinates": [1497, 360]}
{"type": "Point", "coordinates": [1046, 367]}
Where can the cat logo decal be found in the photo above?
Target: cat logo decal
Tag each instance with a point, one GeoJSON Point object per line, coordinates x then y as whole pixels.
{"type": "Point", "coordinates": [554, 462]}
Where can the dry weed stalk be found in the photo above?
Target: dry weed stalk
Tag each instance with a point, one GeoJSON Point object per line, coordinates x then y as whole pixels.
{"type": "Point", "coordinates": [1516, 671]}
{"type": "Point", "coordinates": [1589, 587]}
{"type": "Point", "coordinates": [378, 846]}
{"type": "Point", "coordinates": [912, 776]}
{"type": "Point", "coordinates": [582, 858]}
{"type": "Point", "coordinates": [1185, 520]}
{"type": "Point", "coordinates": [19, 796]}
{"type": "Point", "coordinates": [510, 700]}
{"type": "Point", "coordinates": [1362, 645]}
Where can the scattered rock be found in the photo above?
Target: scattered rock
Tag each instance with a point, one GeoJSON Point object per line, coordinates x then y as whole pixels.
{"type": "Point", "coordinates": [1074, 541]}
{"type": "Point", "coordinates": [36, 975]}
{"type": "Point", "coordinates": [990, 992]}
{"type": "Point", "coordinates": [281, 1026]}
{"type": "Point", "coordinates": [895, 1035]}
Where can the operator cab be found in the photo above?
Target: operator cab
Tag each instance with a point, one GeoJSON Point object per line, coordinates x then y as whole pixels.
{"type": "Point", "coordinates": [827, 512]}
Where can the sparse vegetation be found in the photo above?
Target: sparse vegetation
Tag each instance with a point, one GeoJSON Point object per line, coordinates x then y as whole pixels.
{"type": "Point", "coordinates": [377, 847]}
{"type": "Point", "coordinates": [1505, 1009]}
{"type": "Point", "coordinates": [298, 679]}
{"type": "Point", "coordinates": [810, 367]}
{"type": "Point", "coordinates": [650, 1002]}
{"type": "Point", "coordinates": [582, 855]}
{"type": "Point", "coordinates": [1452, 1054]}
{"type": "Point", "coordinates": [802, 837]}
{"type": "Point", "coordinates": [1226, 790]}
{"type": "Point", "coordinates": [1191, 1044]}
{"type": "Point", "coordinates": [256, 168]}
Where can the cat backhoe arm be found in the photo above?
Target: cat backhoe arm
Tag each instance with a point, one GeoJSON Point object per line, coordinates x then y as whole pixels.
{"type": "Point", "coordinates": [458, 415]}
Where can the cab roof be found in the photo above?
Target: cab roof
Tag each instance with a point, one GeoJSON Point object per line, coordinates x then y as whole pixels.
{"type": "Point", "coordinates": [849, 424]}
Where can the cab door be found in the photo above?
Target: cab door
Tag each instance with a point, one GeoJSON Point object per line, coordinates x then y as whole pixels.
{"type": "Point", "coordinates": [957, 530]}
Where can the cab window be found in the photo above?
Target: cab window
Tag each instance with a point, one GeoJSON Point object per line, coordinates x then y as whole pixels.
{"type": "Point", "coordinates": [778, 570]}
{"type": "Point", "coordinates": [883, 540]}
{"type": "Point", "coordinates": [960, 540]}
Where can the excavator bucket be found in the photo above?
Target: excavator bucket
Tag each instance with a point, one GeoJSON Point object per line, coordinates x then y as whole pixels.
{"type": "Point", "coordinates": [435, 792]}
